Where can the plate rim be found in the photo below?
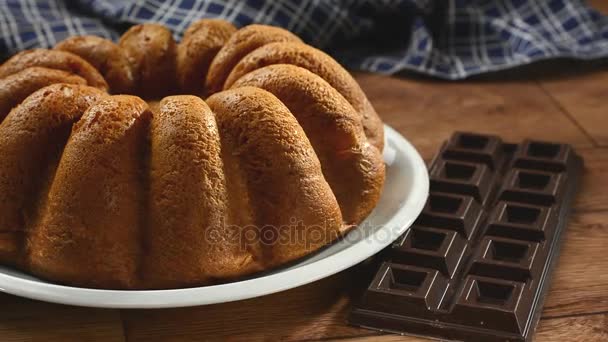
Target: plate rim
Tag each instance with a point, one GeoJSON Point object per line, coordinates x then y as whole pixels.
{"type": "Point", "coordinates": [258, 286]}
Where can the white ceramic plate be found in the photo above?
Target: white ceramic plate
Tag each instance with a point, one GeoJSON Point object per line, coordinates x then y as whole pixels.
{"type": "Point", "coordinates": [405, 192]}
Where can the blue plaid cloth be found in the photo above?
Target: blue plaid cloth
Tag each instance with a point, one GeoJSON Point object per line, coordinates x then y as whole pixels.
{"type": "Point", "coordinates": [450, 39]}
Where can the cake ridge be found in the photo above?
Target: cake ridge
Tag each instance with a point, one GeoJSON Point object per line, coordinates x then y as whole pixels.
{"type": "Point", "coordinates": [330, 122]}
{"type": "Point", "coordinates": [42, 120]}
{"type": "Point", "coordinates": [321, 64]}
{"type": "Point", "coordinates": [95, 200]}
{"type": "Point", "coordinates": [238, 46]}
{"type": "Point", "coordinates": [54, 59]}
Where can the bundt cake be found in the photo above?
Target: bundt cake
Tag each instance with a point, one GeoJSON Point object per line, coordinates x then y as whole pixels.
{"type": "Point", "coordinates": [158, 189]}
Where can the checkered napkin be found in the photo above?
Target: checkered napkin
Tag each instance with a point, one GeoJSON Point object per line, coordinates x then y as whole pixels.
{"type": "Point", "coordinates": [450, 39]}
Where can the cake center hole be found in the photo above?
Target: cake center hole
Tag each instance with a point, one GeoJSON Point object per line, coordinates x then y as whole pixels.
{"type": "Point", "coordinates": [474, 142]}
{"type": "Point", "coordinates": [510, 252]}
{"type": "Point", "coordinates": [407, 280]}
{"type": "Point", "coordinates": [532, 181]}
{"type": "Point", "coordinates": [422, 239]}
{"type": "Point", "coordinates": [492, 293]}
{"type": "Point", "coordinates": [517, 214]}
{"type": "Point", "coordinates": [459, 171]}
{"type": "Point", "coordinates": [444, 204]}
{"type": "Point", "coordinates": [543, 150]}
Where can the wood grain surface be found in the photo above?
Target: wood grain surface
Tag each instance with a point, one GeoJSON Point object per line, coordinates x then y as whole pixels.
{"type": "Point", "coordinates": [571, 108]}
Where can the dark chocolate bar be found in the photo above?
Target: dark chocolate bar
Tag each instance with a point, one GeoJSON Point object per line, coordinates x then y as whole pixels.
{"type": "Point", "coordinates": [477, 262]}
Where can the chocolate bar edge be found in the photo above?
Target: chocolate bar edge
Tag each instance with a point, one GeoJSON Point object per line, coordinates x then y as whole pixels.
{"type": "Point", "coordinates": [556, 246]}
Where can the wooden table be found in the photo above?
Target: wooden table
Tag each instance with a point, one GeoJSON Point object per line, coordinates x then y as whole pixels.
{"type": "Point", "coordinates": [572, 108]}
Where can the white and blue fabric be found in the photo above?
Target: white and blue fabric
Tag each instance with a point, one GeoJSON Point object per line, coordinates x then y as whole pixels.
{"type": "Point", "coordinates": [451, 39]}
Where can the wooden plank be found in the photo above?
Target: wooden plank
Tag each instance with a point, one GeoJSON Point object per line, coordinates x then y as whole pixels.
{"type": "Point", "coordinates": [582, 328]}
{"type": "Point", "coordinates": [382, 338]}
{"type": "Point", "coordinates": [427, 112]}
{"type": "Point", "coordinates": [586, 105]}
{"type": "Point", "coordinates": [28, 320]}
{"type": "Point", "coordinates": [593, 194]}
{"type": "Point", "coordinates": [313, 311]}
{"type": "Point", "coordinates": [580, 281]}
{"type": "Point", "coordinates": [580, 89]}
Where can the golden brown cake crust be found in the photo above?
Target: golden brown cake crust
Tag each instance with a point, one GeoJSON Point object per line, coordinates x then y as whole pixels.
{"type": "Point", "coordinates": [318, 62]}
{"type": "Point", "coordinates": [104, 55]}
{"type": "Point", "coordinates": [193, 222]}
{"type": "Point", "coordinates": [54, 59]}
{"type": "Point", "coordinates": [16, 87]}
{"type": "Point", "coordinates": [31, 141]}
{"type": "Point", "coordinates": [151, 52]}
{"type": "Point", "coordinates": [90, 230]}
{"type": "Point", "coordinates": [294, 206]}
{"type": "Point", "coordinates": [240, 44]}
{"type": "Point", "coordinates": [202, 41]}
{"type": "Point", "coordinates": [10, 248]}
{"type": "Point", "coordinates": [352, 166]}
{"type": "Point", "coordinates": [114, 192]}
